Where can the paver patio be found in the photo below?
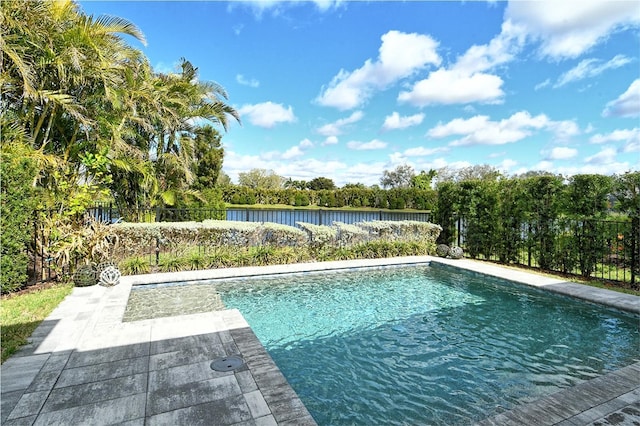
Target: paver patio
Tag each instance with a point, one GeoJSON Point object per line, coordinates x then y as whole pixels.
{"type": "Point", "coordinates": [85, 366]}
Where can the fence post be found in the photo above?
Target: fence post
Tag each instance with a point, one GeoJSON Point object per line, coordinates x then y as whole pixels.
{"type": "Point", "coordinates": [635, 232]}
{"type": "Point", "coordinates": [319, 216]}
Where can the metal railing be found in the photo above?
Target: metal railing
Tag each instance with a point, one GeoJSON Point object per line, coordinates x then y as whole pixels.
{"type": "Point", "coordinates": [111, 214]}
{"type": "Point", "coordinates": [603, 249]}
{"type": "Point", "coordinates": [608, 250]}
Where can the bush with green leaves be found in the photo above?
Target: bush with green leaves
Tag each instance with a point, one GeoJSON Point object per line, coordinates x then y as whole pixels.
{"type": "Point", "coordinates": [17, 172]}
{"type": "Point", "coordinates": [319, 235]}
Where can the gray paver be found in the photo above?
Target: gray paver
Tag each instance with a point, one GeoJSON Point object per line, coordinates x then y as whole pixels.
{"type": "Point", "coordinates": [257, 405]}
{"type": "Point", "coordinates": [84, 366]}
{"type": "Point", "coordinates": [100, 413]}
{"type": "Point", "coordinates": [29, 405]}
{"type": "Point", "coordinates": [22, 421]}
{"type": "Point", "coordinates": [8, 401]}
{"type": "Point", "coordinates": [104, 371]}
{"type": "Point", "coordinates": [165, 396]}
{"type": "Point", "coordinates": [245, 381]}
{"type": "Point", "coordinates": [220, 412]}
{"type": "Point", "coordinates": [19, 372]}
{"type": "Point", "coordinates": [83, 394]}
{"type": "Point", "coordinates": [101, 356]}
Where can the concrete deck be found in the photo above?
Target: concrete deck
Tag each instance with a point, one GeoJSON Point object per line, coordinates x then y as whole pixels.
{"type": "Point", "coordinates": [85, 366]}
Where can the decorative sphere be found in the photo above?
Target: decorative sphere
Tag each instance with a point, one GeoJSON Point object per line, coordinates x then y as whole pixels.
{"type": "Point", "coordinates": [84, 276]}
{"type": "Point", "coordinates": [110, 276]}
{"type": "Point", "coordinates": [442, 250]}
{"type": "Point", "coordinates": [456, 252]}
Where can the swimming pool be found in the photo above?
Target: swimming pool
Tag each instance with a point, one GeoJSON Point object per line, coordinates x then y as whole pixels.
{"type": "Point", "coordinates": [420, 344]}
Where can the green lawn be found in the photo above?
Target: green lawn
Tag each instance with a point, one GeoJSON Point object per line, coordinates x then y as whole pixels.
{"type": "Point", "coordinates": [20, 314]}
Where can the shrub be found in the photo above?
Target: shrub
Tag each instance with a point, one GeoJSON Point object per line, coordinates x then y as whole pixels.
{"type": "Point", "coordinates": [172, 263]}
{"type": "Point", "coordinates": [319, 235]}
{"type": "Point", "coordinates": [350, 234]}
{"type": "Point", "coordinates": [135, 265]}
{"type": "Point", "coordinates": [17, 171]}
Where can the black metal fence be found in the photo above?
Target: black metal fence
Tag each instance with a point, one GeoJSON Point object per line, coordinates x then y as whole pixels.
{"type": "Point", "coordinates": [608, 250]}
{"type": "Point", "coordinates": [111, 214]}
{"type": "Point", "coordinates": [602, 249]}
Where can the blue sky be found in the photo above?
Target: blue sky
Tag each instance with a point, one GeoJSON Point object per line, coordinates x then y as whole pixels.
{"type": "Point", "coordinates": [346, 90]}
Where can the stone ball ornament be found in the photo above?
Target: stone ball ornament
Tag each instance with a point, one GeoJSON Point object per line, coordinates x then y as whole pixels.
{"type": "Point", "coordinates": [456, 252]}
{"type": "Point", "coordinates": [442, 250]}
{"type": "Point", "coordinates": [110, 276]}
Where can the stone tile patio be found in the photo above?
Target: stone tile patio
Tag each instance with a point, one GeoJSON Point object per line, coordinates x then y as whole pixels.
{"type": "Point", "coordinates": [85, 366]}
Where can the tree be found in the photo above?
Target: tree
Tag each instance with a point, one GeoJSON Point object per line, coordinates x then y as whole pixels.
{"type": "Point", "coordinates": [626, 190]}
{"type": "Point", "coordinates": [261, 178]}
{"type": "Point", "coordinates": [296, 184]}
{"type": "Point", "coordinates": [224, 179]}
{"type": "Point", "coordinates": [587, 195]}
{"type": "Point", "coordinates": [96, 115]}
{"type": "Point", "coordinates": [478, 171]}
{"type": "Point", "coordinates": [208, 154]}
{"type": "Point", "coordinates": [423, 180]}
{"type": "Point", "coordinates": [400, 177]}
{"type": "Point", "coordinates": [320, 183]}
{"type": "Point", "coordinates": [17, 201]}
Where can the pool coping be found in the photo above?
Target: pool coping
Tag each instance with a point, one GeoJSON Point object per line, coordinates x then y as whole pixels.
{"type": "Point", "coordinates": [75, 363]}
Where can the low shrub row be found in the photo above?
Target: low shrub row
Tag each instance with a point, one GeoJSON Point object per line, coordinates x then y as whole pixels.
{"type": "Point", "coordinates": [212, 243]}
{"type": "Point", "coordinates": [230, 256]}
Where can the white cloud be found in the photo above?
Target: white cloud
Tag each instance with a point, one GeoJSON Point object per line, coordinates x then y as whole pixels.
{"type": "Point", "coordinates": [395, 121]}
{"type": "Point", "coordinates": [480, 130]}
{"type": "Point", "coordinates": [305, 143]}
{"type": "Point", "coordinates": [330, 140]}
{"type": "Point", "coordinates": [507, 165]}
{"type": "Point", "coordinates": [337, 127]}
{"type": "Point", "coordinates": [626, 135]}
{"type": "Point", "coordinates": [562, 153]}
{"type": "Point", "coordinates": [366, 146]}
{"type": "Point", "coordinates": [467, 80]}
{"type": "Point", "coordinates": [276, 7]}
{"type": "Point", "coordinates": [241, 79]}
{"type": "Point", "coordinates": [605, 156]}
{"type": "Point", "coordinates": [564, 129]}
{"type": "Point", "coordinates": [267, 114]}
{"type": "Point", "coordinates": [542, 85]}
{"type": "Point", "coordinates": [590, 68]}
{"type": "Point", "coordinates": [632, 146]}
{"type": "Point", "coordinates": [453, 87]}
{"type": "Point", "coordinates": [499, 51]}
{"type": "Point", "coordinates": [627, 104]}
{"type": "Point", "coordinates": [567, 29]}
{"type": "Point", "coordinates": [421, 151]}
{"type": "Point", "coordinates": [292, 152]}
{"type": "Point", "coordinates": [298, 150]}
{"type": "Point", "coordinates": [400, 55]}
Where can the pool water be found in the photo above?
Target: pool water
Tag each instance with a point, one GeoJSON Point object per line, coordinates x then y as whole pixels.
{"type": "Point", "coordinates": [425, 344]}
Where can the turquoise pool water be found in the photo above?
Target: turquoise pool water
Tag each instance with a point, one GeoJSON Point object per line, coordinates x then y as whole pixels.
{"type": "Point", "coordinates": [424, 345]}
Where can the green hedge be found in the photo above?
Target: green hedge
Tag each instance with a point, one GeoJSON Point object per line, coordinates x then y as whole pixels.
{"type": "Point", "coordinates": [557, 222]}
{"type": "Point", "coordinates": [400, 198]}
{"type": "Point", "coordinates": [17, 172]}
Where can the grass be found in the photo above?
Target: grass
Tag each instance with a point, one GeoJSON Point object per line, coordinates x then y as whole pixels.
{"type": "Point", "coordinates": [21, 313]}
